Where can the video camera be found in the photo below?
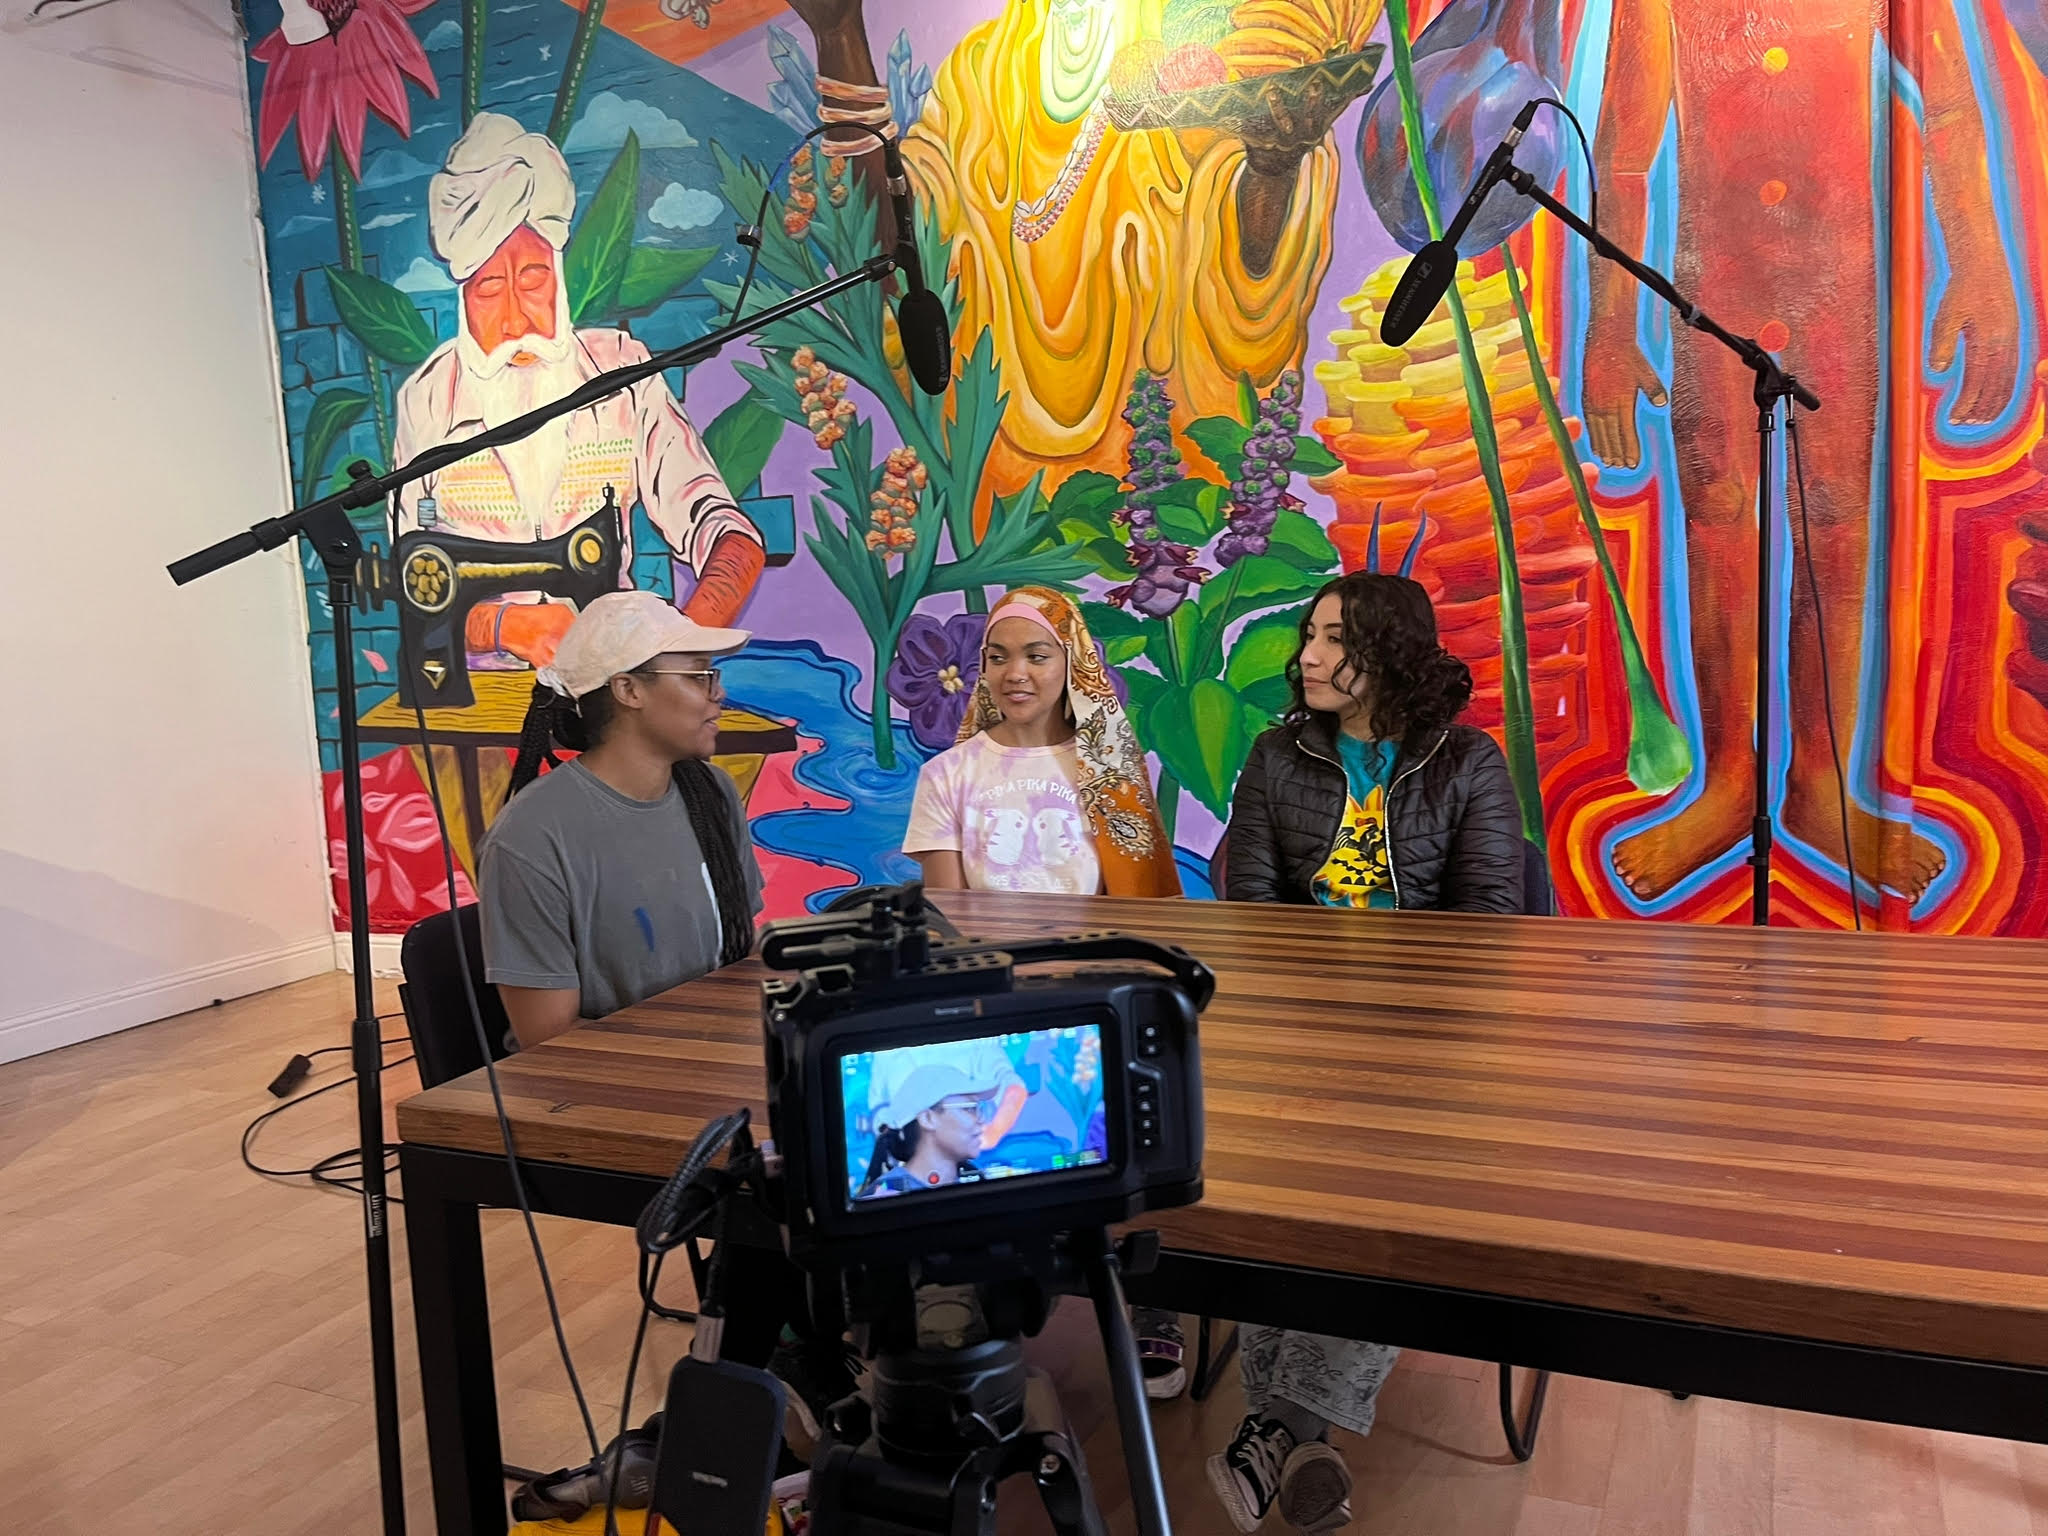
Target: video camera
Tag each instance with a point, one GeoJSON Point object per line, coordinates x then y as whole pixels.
{"type": "Point", "coordinates": [951, 1142]}
{"type": "Point", "coordinates": [924, 1096]}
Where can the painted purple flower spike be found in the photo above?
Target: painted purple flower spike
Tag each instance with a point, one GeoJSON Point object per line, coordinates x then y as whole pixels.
{"type": "Point", "coordinates": [933, 675]}
{"type": "Point", "coordinates": [1259, 493]}
{"type": "Point", "coordinates": [1476, 65]}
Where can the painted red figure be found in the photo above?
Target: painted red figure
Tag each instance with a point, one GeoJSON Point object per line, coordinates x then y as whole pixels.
{"type": "Point", "coordinates": [1777, 239]}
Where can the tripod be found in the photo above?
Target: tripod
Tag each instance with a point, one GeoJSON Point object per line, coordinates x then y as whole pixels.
{"type": "Point", "coordinates": [325, 524]}
{"type": "Point", "coordinates": [955, 1411]}
{"type": "Point", "coordinates": [1774, 388]}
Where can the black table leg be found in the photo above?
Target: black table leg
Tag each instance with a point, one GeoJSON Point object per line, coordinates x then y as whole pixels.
{"type": "Point", "coordinates": [451, 1311]}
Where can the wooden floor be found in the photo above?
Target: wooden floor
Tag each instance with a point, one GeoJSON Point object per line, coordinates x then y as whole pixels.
{"type": "Point", "coordinates": [176, 1333]}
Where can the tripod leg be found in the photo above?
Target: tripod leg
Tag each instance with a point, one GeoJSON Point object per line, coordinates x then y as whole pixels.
{"type": "Point", "coordinates": [1127, 1385]}
{"type": "Point", "coordinates": [1056, 1464]}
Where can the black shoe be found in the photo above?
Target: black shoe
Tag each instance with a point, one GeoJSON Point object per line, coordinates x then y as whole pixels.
{"type": "Point", "coordinates": [1246, 1472]}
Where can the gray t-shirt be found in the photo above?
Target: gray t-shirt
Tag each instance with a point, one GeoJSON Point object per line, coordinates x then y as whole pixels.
{"type": "Point", "coordinates": [584, 887]}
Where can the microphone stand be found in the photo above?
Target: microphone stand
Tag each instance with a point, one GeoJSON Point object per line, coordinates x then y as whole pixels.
{"type": "Point", "coordinates": [1774, 386]}
{"type": "Point", "coordinates": [326, 526]}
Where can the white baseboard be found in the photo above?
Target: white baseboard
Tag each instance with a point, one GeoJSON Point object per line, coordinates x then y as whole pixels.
{"type": "Point", "coordinates": [383, 954]}
{"type": "Point", "coordinates": [88, 1018]}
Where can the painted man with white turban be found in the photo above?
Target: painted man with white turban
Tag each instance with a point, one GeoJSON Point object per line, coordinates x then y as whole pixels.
{"type": "Point", "coordinates": [499, 215]}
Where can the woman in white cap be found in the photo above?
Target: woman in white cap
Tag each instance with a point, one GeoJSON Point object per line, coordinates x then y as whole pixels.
{"type": "Point", "coordinates": [628, 870]}
{"type": "Point", "coordinates": [930, 1130]}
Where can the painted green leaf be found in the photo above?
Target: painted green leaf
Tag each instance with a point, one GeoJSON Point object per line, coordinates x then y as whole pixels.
{"type": "Point", "coordinates": [594, 265]}
{"type": "Point", "coordinates": [1223, 441]}
{"type": "Point", "coordinates": [740, 439]}
{"type": "Point", "coordinates": [1247, 400]}
{"type": "Point", "coordinates": [1107, 622]}
{"type": "Point", "coordinates": [1146, 690]}
{"type": "Point", "coordinates": [1300, 541]}
{"type": "Point", "coordinates": [1269, 698]}
{"type": "Point", "coordinates": [1089, 498]}
{"type": "Point", "coordinates": [1262, 581]}
{"type": "Point", "coordinates": [381, 317]}
{"type": "Point", "coordinates": [1312, 458]}
{"type": "Point", "coordinates": [1218, 723]}
{"type": "Point", "coordinates": [1105, 556]}
{"type": "Point", "coordinates": [653, 275]}
{"type": "Point", "coordinates": [333, 413]}
{"type": "Point", "coordinates": [1184, 626]}
{"type": "Point", "coordinates": [1183, 525]}
{"type": "Point", "coordinates": [1263, 650]}
{"type": "Point", "coordinates": [1128, 648]}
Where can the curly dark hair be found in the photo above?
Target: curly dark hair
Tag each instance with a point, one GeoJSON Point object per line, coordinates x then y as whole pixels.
{"type": "Point", "coordinates": [1390, 637]}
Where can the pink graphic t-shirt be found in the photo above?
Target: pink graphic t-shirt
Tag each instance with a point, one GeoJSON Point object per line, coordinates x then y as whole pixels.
{"type": "Point", "coordinates": [1011, 813]}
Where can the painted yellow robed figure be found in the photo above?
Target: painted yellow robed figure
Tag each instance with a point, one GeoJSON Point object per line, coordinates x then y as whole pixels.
{"type": "Point", "coordinates": [1090, 252]}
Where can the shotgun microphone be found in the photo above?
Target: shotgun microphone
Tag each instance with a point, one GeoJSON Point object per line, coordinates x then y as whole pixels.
{"type": "Point", "coordinates": [1431, 270]}
{"type": "Point", "coordinates": [920, 313]}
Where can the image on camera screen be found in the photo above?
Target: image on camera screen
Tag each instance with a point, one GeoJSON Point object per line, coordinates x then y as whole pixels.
{"type": "Point", "coordinates": [957, 1112]}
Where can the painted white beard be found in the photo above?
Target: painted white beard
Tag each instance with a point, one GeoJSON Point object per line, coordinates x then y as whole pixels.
{"type": "Point", "coordinates": [503, 392]}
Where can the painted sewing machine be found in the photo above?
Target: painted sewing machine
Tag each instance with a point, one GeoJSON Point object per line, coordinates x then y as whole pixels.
{"type": "Point", "coordinates": [435, 578]}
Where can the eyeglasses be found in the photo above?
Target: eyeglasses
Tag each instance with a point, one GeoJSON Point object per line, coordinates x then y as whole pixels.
{"type": "Point", "coordinates": [708, 676]}
{"type": "Point", "coordinates": [983, 1110]}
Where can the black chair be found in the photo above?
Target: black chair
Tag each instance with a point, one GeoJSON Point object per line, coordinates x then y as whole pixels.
{"type": "Point", "coordinates": [436, 1004]}
{"type": "Point", "coordinates": [444, 1042]}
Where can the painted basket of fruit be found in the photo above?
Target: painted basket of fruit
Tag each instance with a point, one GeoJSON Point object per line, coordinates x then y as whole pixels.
{"type": "Point", "coordinates": [1255, 108]}
{"type": "Point", "coordinates": [1264, 71]}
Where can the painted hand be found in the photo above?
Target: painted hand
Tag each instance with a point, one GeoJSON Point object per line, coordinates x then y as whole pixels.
{"type": "Point", "coordinates": [1979, 317]}
{"type": "Point", "coordinates": [530, 631]}
{"type": "Point", "coordinates": [726, 582]}
{"type": "Point", "coordinates": [1617, 375]}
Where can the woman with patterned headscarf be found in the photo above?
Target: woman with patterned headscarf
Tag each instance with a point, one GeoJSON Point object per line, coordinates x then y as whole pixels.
{"type": "Point", "coordinates": [1047, 788]}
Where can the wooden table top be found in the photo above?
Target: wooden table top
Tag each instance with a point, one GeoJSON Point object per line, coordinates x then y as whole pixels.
{"type": "Point", "coordinates": [1831, 1136]}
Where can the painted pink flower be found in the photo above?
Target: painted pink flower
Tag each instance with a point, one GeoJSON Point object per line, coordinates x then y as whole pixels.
{"type": "Point", "coordinates": [330, 65]}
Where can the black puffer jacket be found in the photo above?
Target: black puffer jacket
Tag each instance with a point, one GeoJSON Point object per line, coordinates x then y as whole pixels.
{"type": "Point", "coordinates": [1454, 827]}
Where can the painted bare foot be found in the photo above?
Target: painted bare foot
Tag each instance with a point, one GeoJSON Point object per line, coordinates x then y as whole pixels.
{"type": "Point", "coordinates": [1652, 862]}
{"type": "Point", "coordinates": [1887, 852]}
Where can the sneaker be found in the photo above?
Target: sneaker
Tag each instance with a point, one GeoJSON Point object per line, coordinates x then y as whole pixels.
{"type": "Point", "coordinates": [817, 1374]}
{"type": "Point", "coordinates": [1246, 1472]}
{"type": "Point", "coordinates": [1315, 1488]}
{"type": "Point", "coordinates": [1162, 1348]}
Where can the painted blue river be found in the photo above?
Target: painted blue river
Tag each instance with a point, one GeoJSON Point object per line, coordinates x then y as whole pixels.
{"type": "Point", "coordinates": [795, 680]}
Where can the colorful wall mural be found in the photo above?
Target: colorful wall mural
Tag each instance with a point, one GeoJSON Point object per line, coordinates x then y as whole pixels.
{"type": "Point", "coordinates": [1168, 229]}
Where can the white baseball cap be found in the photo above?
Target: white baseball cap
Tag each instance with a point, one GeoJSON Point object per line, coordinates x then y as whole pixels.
{"type": "Point", "coordinates": [624, 630]}
{"type": "Point", "coordinates": [928, 1084]}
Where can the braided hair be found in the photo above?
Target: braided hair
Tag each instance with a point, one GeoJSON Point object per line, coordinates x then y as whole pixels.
{"type": "Point", "coordinates": [580, 724]}
{"type": "Point", "coordinates": [892, 1145]}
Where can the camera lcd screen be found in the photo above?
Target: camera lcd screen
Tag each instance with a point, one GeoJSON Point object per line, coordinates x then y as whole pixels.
{"type": "Point", "coordinates": [925, 1117]}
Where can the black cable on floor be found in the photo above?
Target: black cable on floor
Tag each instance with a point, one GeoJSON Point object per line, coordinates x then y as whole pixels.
{"type": "Point", "coordinates": [327, 1170]}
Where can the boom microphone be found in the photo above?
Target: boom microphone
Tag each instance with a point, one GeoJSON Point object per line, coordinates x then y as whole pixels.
{"type": "Point", "coordinates": [920, 313]}
{"type": "Point", "coordinates": [1430, 270]}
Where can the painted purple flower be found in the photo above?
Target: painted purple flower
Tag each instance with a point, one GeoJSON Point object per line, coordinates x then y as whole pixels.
{"type": "Point", "coordinates": [1165, 573]}
{"type": "Point", "coordinates": [934, 673]}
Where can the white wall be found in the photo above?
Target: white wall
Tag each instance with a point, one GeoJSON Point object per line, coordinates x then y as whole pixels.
{"type": "Point", "coordinates": [160, 837]}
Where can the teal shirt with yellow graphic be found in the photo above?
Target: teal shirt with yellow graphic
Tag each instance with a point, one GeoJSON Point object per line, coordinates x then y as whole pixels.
{"type": "Point", "coordinates": [1356, 874]}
